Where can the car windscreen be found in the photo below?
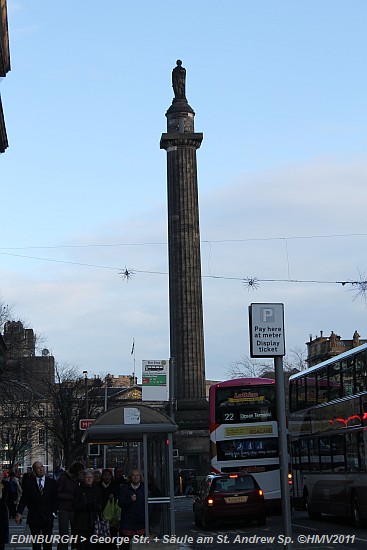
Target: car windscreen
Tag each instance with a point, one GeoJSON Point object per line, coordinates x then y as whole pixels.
{"type": "Point", "coordinates": [228, 485]}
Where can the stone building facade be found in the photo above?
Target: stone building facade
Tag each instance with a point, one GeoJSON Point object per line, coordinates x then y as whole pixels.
{"type": "Point", "coordinates": [322, 347]}
{"type": "Point", "coordinates": [25, 379]}
{"type": "Point", "coordinates": [2, 354]}
{"type": "Point", "coordinates": [4, 67]}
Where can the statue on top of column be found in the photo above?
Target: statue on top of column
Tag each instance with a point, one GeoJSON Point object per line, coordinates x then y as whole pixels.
{"type": "Point", "coordinates": [178, 80]}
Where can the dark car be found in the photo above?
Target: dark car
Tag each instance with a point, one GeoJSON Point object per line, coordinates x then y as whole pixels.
{"type": "Point", "coordinates": [229, 497]}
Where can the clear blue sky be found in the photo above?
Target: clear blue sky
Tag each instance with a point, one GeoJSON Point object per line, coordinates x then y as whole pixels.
{"type": "Point", "coordinates": [279, 91]}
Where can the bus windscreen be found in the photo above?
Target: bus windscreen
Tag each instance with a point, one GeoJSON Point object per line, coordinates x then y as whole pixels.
{"type": "Point", "coordinates": [245, 405]}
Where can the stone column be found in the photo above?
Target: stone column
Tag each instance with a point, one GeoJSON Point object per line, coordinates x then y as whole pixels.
{"type": "Point", "coordinates": [185, 291]}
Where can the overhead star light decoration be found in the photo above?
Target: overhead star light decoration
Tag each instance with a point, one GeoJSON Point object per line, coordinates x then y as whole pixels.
{"type": "Point", "coordinates": [359, 287]}
{"type": "Point", "coordinates": [251, 283]}
{"type": "Point", "coordinates": [127, 273]}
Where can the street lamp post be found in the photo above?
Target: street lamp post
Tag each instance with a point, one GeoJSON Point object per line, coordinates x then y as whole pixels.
{"type": "Point", "coordinates": [86, 393]}
{"type": "Point", "coordinates": [86, 408]}
{"type": "Point", "coordinates": [105, 408]}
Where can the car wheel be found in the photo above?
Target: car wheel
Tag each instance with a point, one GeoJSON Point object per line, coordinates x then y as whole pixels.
{"type": "Point", "coordinates": [356, 512]}
{"type": "Point", "coordinates": [261, 521]}
{"type": "Point", "coordinates": [311, 513]}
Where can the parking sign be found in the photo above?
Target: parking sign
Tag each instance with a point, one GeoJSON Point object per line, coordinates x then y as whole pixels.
{"type": "Point", "coordinates": [266, 322]}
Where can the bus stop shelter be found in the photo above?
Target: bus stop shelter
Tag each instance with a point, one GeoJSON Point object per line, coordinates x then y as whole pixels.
{"type": "Point", "coordinates": [143, 425]}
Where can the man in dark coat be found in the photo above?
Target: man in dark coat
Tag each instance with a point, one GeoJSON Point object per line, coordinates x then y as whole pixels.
{"type": "Point", "coordinates": [66, 487]}
{"type": "Point", "coordinates": [87, 504]}
{"type": "Point", "coordinates": [40, 497]}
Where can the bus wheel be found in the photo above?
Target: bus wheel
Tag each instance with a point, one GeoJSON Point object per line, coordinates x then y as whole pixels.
{"type": "Point", "coordinates": [310, 512]}
{"type": "Point", "coordinates": [356, 513]}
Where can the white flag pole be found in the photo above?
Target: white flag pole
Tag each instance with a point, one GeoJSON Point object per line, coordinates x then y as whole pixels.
{"type": "Point", "coordinates": [133, 354]}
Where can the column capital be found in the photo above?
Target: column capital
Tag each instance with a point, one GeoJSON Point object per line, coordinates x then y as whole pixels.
{"type": "Point", "coordinates": [178, 139]}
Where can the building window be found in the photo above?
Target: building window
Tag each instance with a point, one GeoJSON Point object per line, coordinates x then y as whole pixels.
{"type": "Point", "coordinates": [24, 436]}
{"type": "Point", "coordinates": [41, 436]}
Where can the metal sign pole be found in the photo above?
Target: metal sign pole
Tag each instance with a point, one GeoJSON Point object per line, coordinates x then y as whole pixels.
{"type": "Point", "coordinates": [267, 339]}
{"type": "Point", "coordinates": [171, 485]}
{"type": "Point", "coordinates": [171, 388]}
{"type": "Point", "coordinates": [283, 452]}
{"type": "Point", "coordinates": [146, 482]}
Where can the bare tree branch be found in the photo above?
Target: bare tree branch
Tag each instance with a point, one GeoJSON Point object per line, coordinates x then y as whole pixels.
{"type": "Point", "coordinates": [247, 367]}
{"type": "Point", "coordinates": [68, 406]}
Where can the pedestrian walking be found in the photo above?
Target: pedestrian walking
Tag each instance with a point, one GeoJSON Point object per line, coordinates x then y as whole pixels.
{"type": "Point", "coordinates": [15, 492]}
{"type": "Point", "coordinates": [66, 487]}
{"type": "Point", "coordinates": [40, 497]}
{"type": "Point", "coordinates": [97, 476]}
{"type": "Point", "coordinates": [109, 489]}
{"type": "Point", "coordinates": [132, 504]}
{"type": "Point", "coordinates": [4, 512]}
{"type": "Point", "coordinates": [119, 477]}
{"type": "Point", "coordinates": [189, 483]}
{"type": "Point", "coordinates": [58, 473]}
{"type": "Point", "coordinates": [87, 505]}
{"type": "Point", "coordinates": [109, 493]}
{"type": "Point", "coordinates": [27, 476]}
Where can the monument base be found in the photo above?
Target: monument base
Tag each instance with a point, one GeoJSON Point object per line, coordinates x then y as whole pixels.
{"type": "Point", "coordinates": [192, 438]}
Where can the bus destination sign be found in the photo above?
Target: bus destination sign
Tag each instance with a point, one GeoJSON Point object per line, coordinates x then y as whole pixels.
{"type": "Point", "coordinates": [266, 323]}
